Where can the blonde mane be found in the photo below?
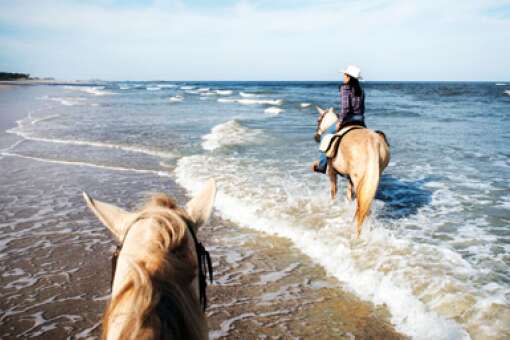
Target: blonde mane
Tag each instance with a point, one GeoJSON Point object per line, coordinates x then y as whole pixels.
{"type": "Point", "coordinates": [163, 304]}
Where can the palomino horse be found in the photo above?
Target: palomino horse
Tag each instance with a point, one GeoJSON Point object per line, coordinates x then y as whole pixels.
{"type": "Point", "coordinates": [362, 156]}
{"type": "Point", "coordinates": [155, 288]}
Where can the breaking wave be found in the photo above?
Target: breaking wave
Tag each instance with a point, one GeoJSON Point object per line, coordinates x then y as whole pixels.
{"type": "Point", "coordinates": [229, 134]}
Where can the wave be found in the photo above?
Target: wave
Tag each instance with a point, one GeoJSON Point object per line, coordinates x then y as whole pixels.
{"type": "Point", "coordinates": [66, 101]}
{"type": "Point", "coordinates": [247, 95]}
{"type": "Point", "coordinates": [305, 105]}
{"type": "Point", "coordinates": [187, 87]}
{"type": "Point", "coordinates": [208, 94]}
{"type": "Point", "coordinates": [230, 133]}
{"type": "Point", "coordinates": [424, 285]}
{"type": "Point", "coordinates": [260, 101]}
{"type": "Point", "coordinates": [273, 110]}
{"type": "Point", "coordinates": [246, 101]}
{"type": "Point", "coordinates": [153, 88]}
{"type": "Point", "coordinates": [92, 90]}
{"type": "Point", "coordinates": [226, 100]}
{"type": "Point", "coordinates": [91, 165]}
{"type": "Point", "coordinates": [163, 86]}
{"type": "Point", "coordinates": [224, 92]}
{"type": "Point", "coordinates": [43, 119]}
{"type": "Point", "coordinates": [500, 84]}
{"type": "Point", "coordinates": [128, 148]}
{"type": "Point", "coordinates": [176, 99]}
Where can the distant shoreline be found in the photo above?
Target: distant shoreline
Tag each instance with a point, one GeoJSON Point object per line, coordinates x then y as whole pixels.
{"type": "Point", "coordinates": [43, 82]}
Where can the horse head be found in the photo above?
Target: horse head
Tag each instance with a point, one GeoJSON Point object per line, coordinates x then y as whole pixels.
{"type": "Point", "coordinates": [156, 288]}
{"type": "Point", "coordinates": [325, 120]}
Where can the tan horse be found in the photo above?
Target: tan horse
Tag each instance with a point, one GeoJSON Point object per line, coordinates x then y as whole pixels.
{"type": "Point", "coordinates": [155, 289]}
{"type": "Point", "coordinates": [362, 156]}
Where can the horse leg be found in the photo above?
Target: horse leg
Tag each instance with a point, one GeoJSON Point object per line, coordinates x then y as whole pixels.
{"type": "Point", "coordinates": [332, 178]}
{"type": "Point", "coordinates": [349, 189]}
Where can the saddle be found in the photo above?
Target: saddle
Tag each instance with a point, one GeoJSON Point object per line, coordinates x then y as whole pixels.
{"type": "Point", "coordinates": [330, 143]}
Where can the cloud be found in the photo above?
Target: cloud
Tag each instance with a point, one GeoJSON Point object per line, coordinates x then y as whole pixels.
{"type": "Point", "coordinates": [254, 39]}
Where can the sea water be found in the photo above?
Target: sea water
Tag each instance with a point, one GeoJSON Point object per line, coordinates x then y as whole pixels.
{"type": "Point", "coordinates": [435, 250]}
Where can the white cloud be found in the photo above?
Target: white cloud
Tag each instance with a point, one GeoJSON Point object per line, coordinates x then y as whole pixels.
{"type": "Point", "coordinates": [389, 39]}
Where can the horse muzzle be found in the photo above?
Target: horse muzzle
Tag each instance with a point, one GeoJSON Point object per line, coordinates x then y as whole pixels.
{"type": "Point", "coordinates": [317, 137]}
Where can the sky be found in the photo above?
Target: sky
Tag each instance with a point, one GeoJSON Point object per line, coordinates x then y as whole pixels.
{"type": "Point", "coordinates": [256, 39]}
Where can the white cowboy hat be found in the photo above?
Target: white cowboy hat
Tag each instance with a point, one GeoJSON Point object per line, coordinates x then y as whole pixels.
{"type": "Point", "coordinates": [354, 71]}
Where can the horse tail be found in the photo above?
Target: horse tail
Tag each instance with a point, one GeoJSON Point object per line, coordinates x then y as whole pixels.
{"type": "Point", "coordinates": [367, 186]}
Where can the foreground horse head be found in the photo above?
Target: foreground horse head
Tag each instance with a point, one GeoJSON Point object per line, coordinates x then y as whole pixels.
{"type": "Point", "coordinates": [362, 156]}
{"type": "Point", "coordinates": [155, 289]}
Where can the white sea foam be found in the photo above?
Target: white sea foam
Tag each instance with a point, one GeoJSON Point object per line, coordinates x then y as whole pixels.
{"type": "Point", "coordinates": [226, 100]}
{"type": "Point", "coordinates": [500, 84]}
{"type": "Point", "coordinates": [246, 101]}
{"type": "Point", "coordinates": [187, 87]}
{"type": "Point", "coordinates": [422, 284]}
{"type": "Point", "coordinates": [92, 90]}
{"type": "Point", "coordinates": [208, 94]}
{"type": "Point", "coordinates": [153, 88]}
{"type": "Point", "coordinates": [176, 98]}
{"type": "Point", "coordinates": [273, 110]}
{"type": "Point", "coordinates": [91, 165]}
{"type": "Point", "coordinates": [305, 105]}
{"type": "Point", "coordinates": [129, 148]}
{"type": "Point", "coordinates": [224, 92]}
{"type": "Point", "coordinates": [228, 134]}
{"type": "Point", "coordinates": [163, 86]}
{"type": "Point", "coordinates": [247, 95]}
{"type": "Point", "coordinates": [260, 101]}
{"type": "Point", "coordinates": [66, 101]}
{"type": "Point", "coordinates": [43, 119]}
{"type": "Point", "coordinates": [97, 91]}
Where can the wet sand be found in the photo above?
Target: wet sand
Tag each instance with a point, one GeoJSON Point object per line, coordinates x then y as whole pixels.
{"type": "Point", "coordinates": [55, 265]}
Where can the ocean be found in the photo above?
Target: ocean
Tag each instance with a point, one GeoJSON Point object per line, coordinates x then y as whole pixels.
{"type": "Point", "coordinates": [435, 252]}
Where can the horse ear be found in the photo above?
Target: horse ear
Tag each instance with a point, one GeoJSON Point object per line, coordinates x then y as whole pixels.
{"type": "Point", "coordinates": [321, 111]}
{"type": "Point", "coordinates": [200, 207]}
{"type": "Point", "coordinates": [114, 218]}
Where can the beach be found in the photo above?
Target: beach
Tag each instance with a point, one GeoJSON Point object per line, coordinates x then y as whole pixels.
{"type": "Point", "coordinates": [56, 270]}
{"type": "Point", "coordinates": [432, 261]}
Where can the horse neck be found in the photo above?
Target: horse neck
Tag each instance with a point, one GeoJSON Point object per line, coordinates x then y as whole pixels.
{"type": "Point", "coordinates": [329, 119]}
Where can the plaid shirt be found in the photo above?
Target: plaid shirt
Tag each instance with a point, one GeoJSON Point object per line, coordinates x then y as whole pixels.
{"type": "Point", "coordinates": [351, 105]}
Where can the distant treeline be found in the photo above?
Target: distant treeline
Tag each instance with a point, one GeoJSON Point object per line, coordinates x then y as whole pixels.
{"type": "Point", "coordinates": [13, 76]}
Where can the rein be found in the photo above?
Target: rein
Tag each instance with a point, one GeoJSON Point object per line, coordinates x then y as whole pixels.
{"type": "Point", "coordinates": [204, 265]}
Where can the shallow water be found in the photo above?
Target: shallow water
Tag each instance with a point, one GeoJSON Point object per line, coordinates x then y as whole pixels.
{"type": "Point", "coordinates": [435, 251]}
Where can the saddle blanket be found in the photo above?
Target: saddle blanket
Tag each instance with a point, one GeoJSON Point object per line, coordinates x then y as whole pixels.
{"type": "Point", "coordinates": [330, 142]}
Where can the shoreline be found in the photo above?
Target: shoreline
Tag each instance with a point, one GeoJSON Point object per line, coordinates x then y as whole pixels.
{"type": "Point", "coordinates": [264, 285]}
{"type": "Point", "coordinates": [273, 284]}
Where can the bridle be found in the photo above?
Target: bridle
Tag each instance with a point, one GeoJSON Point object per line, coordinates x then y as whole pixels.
{"type": "Point", "coordinates": [203, 257]}
{"type": "Point", "coordinates": [318, 131]}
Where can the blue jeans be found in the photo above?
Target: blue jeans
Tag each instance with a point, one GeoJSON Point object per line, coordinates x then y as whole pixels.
{"type": "Point", "coordinates": [323, 160]}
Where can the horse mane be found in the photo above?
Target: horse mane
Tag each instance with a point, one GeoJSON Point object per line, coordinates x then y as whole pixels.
{"type": "Point", "coordinates": [163, 305]}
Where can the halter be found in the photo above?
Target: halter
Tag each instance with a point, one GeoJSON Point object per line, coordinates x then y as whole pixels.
{"type": "Point", "coordinates": [204, 264]}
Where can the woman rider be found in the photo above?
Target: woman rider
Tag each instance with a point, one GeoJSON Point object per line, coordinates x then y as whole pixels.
{"type": "Point", "coordinates": [352, 109]}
